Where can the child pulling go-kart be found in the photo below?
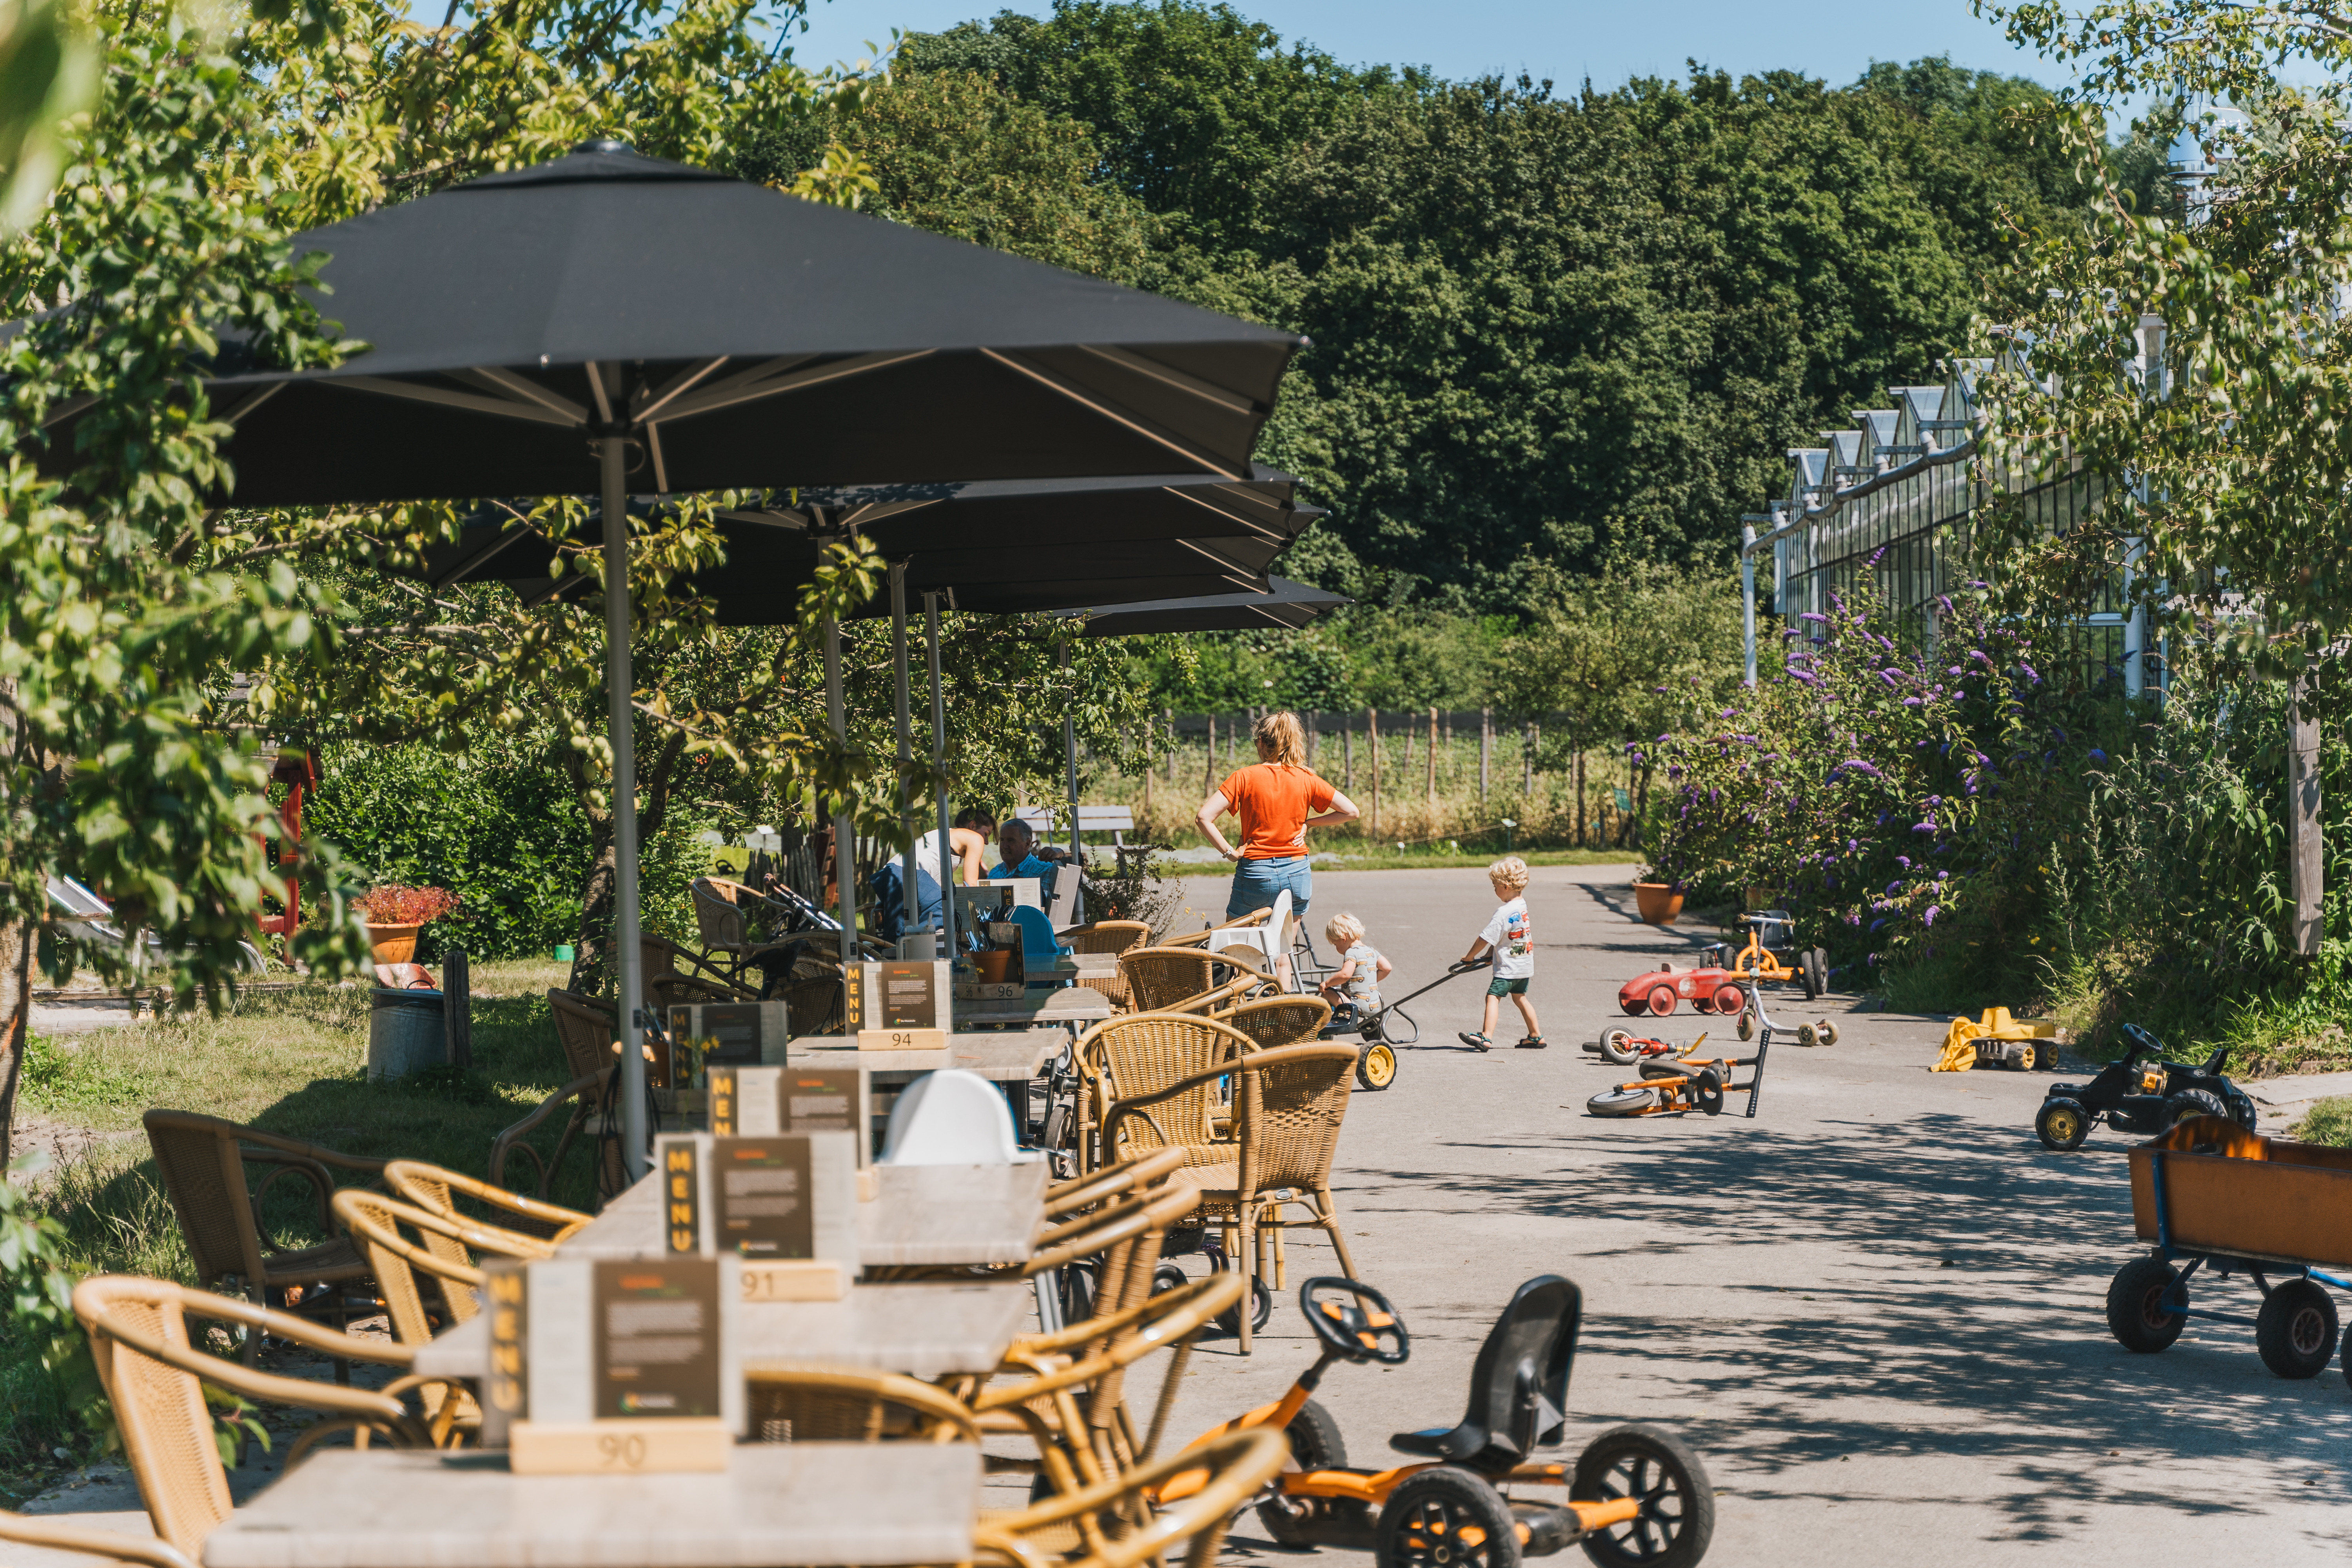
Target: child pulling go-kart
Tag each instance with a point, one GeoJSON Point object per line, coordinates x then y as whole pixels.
{"type": "Point", "coordinates": [1635, 1495]}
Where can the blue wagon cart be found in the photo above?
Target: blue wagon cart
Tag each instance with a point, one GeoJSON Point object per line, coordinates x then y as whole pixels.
{"type": "Point", "coordinates": [2216, 1199]}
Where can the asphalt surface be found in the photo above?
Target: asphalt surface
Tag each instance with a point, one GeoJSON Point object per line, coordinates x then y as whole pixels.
{"type": "Point", "coordinates": [1876, 1310]}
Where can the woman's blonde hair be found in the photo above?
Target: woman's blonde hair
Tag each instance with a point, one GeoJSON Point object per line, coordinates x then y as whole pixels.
{"type": "Point", "coordinates": [1280, 739]}
{"type": "Point", "coordinates": [1511, 871]}
{"type": "Point", "coordinates": [1344, 932]}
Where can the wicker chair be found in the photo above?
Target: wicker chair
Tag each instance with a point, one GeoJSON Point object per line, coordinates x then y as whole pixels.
{"type": "Point", "coordinates": [436, 1190]}
{"type": "Point", "coordinates": [1275, 1021]}
{"type": "Point", "coordinates": [728, 949]}
{"type": "Point", "coordinates": [202, 1159]}
{"type": "Point", "coordinates": [1093, 1528]}
{"type": "Point", "coordinates": [1112, 937]}
{"type": "Point", "coordinates": [1288, 1105]}
{"type": "Point", "coordinates": [27, 1530]}
{"type": "Point", "coordinates": [668, 985]}
{"type": "Point", "coordinates": [1201, 938]}
{"type": "Point", "coordinates": [374, 1221]}
{"type": "Point", "coordinates": [1080, 1194]}
{"type": "Point", "coordinates": [1142, 1054]}
{"type": "Point", "coordinates": [835, 1405]}
{"type": "Point", "coordinates": [586, 1030]}
{"type": "Point", "coordinates": [813, 1004]}
{"type": "Point", "coordinates": [154, 1379]}
{"type": "Point", "coordinates": [1184, 979]}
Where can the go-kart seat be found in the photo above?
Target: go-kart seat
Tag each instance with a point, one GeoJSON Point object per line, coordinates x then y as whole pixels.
{"type": "Point", "coordinates": [1519, 1387]}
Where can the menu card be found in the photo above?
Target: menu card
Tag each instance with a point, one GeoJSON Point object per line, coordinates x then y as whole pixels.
{"type": "Point", "coordinates": [657, 1329]}
{"type": "Point", "coordinates": [746, 1102]}
{"type": "Point", "coordinates": [784, 1197]}
{"type": "Point", "coordinates": [830, 1099]}
{"type": "Point", "coordinates": [736, 1033]}
{"type": "Point", "coordinates": [910, 997]}
{"type": "Point", "coordinates": [506, 1392]}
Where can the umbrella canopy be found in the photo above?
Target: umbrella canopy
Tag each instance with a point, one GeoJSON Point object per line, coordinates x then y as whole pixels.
{"type": "Point", "coordinates": [742, 338]}
{"type": "Point", "coordinates": [1286, 604]}
{"type": "Point", "coordinates": [1002, 547]}
{"type": "Point", "coordinates": [662, 328]}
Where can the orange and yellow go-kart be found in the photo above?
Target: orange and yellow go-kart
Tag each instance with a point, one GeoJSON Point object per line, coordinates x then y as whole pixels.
{"type": "Point", "coordinates": [1635, 1495]}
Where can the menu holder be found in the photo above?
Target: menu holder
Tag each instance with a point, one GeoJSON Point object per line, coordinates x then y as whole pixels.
{"type": "Point", "coordinates": [785, 1204]}
{"type": "Point", "coordinates": [729, 1034]}
{"type": "Point", "coordinates": [835, 1100]}
{"type": "Point", "coordinates": [627, 1366]}
{"type": "Point", "coordinates": [906, 1006]}
{"type": "Point", "coordinates": [746, 1102]}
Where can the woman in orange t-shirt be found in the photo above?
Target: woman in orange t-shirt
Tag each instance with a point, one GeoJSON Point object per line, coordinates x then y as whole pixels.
{"type": "Point", "coordinates": [1277, 801]}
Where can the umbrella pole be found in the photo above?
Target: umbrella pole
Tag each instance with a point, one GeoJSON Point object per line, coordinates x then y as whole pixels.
{"type": "Point", "coordinates": [939, 766]}
{"type": "Point", "coordinates": [906, 735]}
{"type": "Point", "coordinates": [1070, 746]}
{"type": "Point", "coordinates": [845, 869]}
{"type": "Point", "coordinates": [619, 685]}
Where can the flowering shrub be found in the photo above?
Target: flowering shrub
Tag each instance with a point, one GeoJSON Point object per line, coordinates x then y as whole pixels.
{"type": "Point", "coordinates": [393, 905]}
{"type": "Point", "coordinates": [1907, 801]}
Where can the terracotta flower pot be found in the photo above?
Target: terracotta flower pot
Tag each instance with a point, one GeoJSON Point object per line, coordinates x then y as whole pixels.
{"type": "Point", "coordinates": [995, 967]}
{"type": "Point", "coordinates": [1658, 903]}
{"type": "Point", "coordinates": [393, 944]}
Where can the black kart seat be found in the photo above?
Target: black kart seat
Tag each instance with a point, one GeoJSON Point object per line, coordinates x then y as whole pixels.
{"type": "Point", "coordinates": [1519, 1386]}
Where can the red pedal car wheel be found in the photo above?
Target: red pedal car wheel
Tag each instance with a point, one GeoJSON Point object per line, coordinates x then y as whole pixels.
{"type": "Point", "coordinates": [1730, 1001]}
{"type": "Point", "coordinates": [1662, 1000]}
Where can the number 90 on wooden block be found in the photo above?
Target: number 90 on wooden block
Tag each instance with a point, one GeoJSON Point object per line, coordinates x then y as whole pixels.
{"type": "Point", "coordinates": [655, 1446]}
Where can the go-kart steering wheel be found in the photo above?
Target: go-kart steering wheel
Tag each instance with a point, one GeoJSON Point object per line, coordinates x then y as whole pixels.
{"type": "Point", "coordinates": [1354, 1320]}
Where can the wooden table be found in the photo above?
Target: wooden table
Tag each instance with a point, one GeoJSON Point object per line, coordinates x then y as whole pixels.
{"type": "Point", "coordinates": [923, 1330]}
{"type": "Point", "coordinates": [1071, 1004]}
{"type": "Point", "coordinates": [814, 1503]}
{"type": "Point", "coordinates": [1000, 1056]}
{"type": "Point", "coordinates": [920, 1215]}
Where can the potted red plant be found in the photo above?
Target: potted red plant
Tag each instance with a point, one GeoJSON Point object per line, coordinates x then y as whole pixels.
{"type": "Point", "coordinates": [395, 914]}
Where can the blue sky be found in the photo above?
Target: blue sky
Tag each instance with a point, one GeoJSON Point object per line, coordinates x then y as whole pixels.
{"type": "Point", "coordinates": [1567, 40]}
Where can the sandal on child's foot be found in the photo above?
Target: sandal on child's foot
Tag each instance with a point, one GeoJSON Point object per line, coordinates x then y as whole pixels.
{"type": "Point", "coordinates": [1475, 1042]}
{"type": "Point", "coordinates": [1533, 1043]}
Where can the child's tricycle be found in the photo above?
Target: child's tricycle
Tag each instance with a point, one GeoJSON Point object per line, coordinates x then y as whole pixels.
{"type": "Point", "coordinates": [2134, 1095]}
{"type": "Point", "coordinates": [1635, 1495]}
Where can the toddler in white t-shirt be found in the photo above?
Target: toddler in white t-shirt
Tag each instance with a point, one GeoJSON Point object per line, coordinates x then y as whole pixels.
{"type": "Point", "coordinates": [1506, 937]}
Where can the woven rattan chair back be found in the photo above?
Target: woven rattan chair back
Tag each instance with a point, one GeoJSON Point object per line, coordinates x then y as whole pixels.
{"type": "Point", "coordinates": [717, 918]}
{"type": "Point", "coordinates": [1107, 936]}
{"type": "Point", "coordinates": [1162, 977]}
{"type": "Point", "coordinates": [1145, 1053]}
{"type": "Point", "coordinates": [1286, 1117]}
{"type": "Point", "coordinates": [438, 1190]}
{"type": "Point", "coordinates": [814, 1006]}
{"type": "Point", "coordinates": [586, 1031]}
{"type": "Point", "coordinates": [1237, 1466]}
{"type": "Point", "coordinates": [203, 1175]}
{"type": "Point", "coordinates": [835, 1405]}
{"type": "Point", "coordinates": [1275, 1021]}
{"type": "Point", "coordinates": [154, 1375]}
{"type": "Point", "coordinates": [377, 1222]}
{"type": "Point", "coordinates": [1139, 1173]}
{"type": "Point", "coordinates": [102, 1545]}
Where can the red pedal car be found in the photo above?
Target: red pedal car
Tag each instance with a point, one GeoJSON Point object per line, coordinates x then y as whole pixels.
{"type": "Point", "coordinates": [1709, 989]}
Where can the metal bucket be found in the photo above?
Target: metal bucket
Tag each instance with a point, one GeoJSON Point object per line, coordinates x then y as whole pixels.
{"type": "Point", "coordinates": [406, 1030]}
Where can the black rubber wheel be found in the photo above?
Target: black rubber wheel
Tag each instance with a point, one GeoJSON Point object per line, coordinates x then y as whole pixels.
{"type": "Point", "coordinates": [2062, 1124]}
{"type": "Point", "coordinates": [1617, 1045]}
{"type": "Point", "coordinates": [1708, 1090]}
{"type": "Point", "coordinates": [2295, 1330]}
{"type": "Point", "coordinates": [1376, 1066]}
{"type": "Point", "coordinates": [1747, 1024]}
{"type": "Point", "coordinates": [1077, 1290]}
{"type": "Point", "coordinates": [1229, 1321]}
{"type": "Point", "coordinates": [1315, 1445]}
{"type": "Point", "coordinates": [1167, 1276]}
{"type": "Point", "coordinates": [2137, 1314]}
{"type": "Point", "coordinates": [1808, 976]}
{"type": "Point", "coordinates": [2191, 1102]}
{"type": "Point", "coordinates": [1446, 1518]}
{"type": "Point", "coordinates": [1677, 1517]}
{"type": "Point", "coordinates": [1620, 1103]}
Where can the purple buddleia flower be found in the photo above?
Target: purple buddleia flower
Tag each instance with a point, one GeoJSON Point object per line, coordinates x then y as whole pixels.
{"type": "Point", "coordinates": [1927, 826]}
{"type": "Point", "coordinates": [1894, 887]}
{"type": "Point", "coordinates": [1877, 925]}
{"type": "Point", "coordinates": [2097, 755]}
{"type": "Point", "coordinates": [1858, 765]}
{"type": "Point", "coordinates": [1809, 615]}
{"type": "Point", "coordinates": [1891, 676]}
{"type": "Point", "coordinates": [1933, 911]}
{"type": "Point", "coordinates": [1941, 875]}
{"type": "Point", "coordinates": [2029, 672]}
{"type": "Point", "coordinates": [1916, 702]}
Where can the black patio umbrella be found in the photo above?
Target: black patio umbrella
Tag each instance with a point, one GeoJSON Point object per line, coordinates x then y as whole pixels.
{"type": "Point", "coordinates": [606, 323]}
{"type": "Point", "coordinates": [1287, 605]}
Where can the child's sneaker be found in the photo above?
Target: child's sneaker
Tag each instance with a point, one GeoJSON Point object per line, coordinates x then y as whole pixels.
{"type": "Point", "coordinates": [1475, 1042]}
{"type": "Point", "coordinates": [1533, 1043]}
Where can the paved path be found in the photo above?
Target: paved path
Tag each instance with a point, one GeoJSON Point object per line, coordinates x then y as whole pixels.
{"type": "Point", "coordinates": [1876, 1310]}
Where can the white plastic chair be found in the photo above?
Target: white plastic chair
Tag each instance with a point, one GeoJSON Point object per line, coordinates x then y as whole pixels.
{"type": "Point", "coordinates": [953, 1118]}
{"type": "Point", "coordinates": [1270, 940]}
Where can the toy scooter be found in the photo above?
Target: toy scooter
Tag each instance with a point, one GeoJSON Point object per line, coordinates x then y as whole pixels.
{"type": "Point", "coordinates": [1670, 1086]}
{"type": "Point", "coordinates": [1635, 1495]}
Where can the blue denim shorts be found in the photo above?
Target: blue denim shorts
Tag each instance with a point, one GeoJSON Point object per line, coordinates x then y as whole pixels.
{"type": "Point", "coordinates": [1256, 882]}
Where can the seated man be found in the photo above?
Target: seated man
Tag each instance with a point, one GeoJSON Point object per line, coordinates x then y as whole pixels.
{"type": "Point", "coordinates": [1023, 856]}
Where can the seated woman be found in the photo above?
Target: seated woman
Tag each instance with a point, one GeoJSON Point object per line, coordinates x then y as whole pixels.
{"type": "Point", "coordinates": [974, 826]}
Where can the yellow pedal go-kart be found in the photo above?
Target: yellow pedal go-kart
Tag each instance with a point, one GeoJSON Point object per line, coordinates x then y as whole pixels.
{"type": "Point", "coordinates": [1635, 1495]}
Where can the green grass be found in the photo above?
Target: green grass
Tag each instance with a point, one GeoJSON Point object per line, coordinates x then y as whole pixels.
{"type": "Point", "coordinates": [293, 1063]}
{"type": "Point", "coordinates": [2329, 1121]}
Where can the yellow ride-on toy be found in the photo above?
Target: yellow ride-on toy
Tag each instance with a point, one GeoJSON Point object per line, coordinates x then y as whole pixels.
{"type": "Point", "coordinates": [1768, 929]}
{"type": "Point", "coordinates": [1635, 1495]}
